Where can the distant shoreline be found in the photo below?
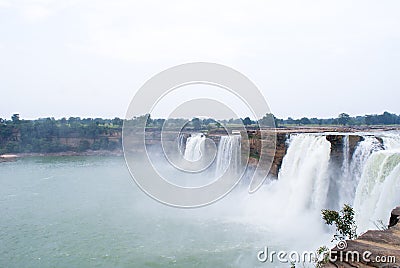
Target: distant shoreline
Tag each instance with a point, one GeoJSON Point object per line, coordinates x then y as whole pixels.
{"type": "Point", "coordinates": [8, 157]}
{"type": "Point", "coordinates": [15, 156]}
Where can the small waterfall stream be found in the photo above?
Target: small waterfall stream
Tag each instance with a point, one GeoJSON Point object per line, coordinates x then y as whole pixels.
{"type": "Point", "coordinates": [181, 143]}
{"type": "Point", "coordinates": [346, 156]}
{"type": "Point", "coordinates": [194, 147]}
{"type": "Point", "coordinates": [346, 184]}
{"type": "Point", "coordinates": [363, 151]}
{"type": "Point", "coordinates": [228, 155]}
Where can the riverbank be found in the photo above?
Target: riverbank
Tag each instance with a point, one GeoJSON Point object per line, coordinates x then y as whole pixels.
{"type": "Point", "coordinates": [13, 157]}
{"type": "Point", "coordinates": [153, 137]}
{"type": "Point", "coordinates": [8, 157]}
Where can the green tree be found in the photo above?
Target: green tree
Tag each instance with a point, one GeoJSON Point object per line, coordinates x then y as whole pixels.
{"type": "Point", "coordinates": [117, 121]}
{"type": "Point", "coordinates": [345, 229]}
{"type": "Point", "coordinates": [15, 118]}
{"type": "Point", "coordinates": [387, 118]}
{"type": "Point", "coordinates": [269, 120]}
{"type": "Point", "coordinates": [343, 119]}
{"type": "Point", "coordinates": [305, 121]}
{"type": "Point", "coordinates": [247, 121]}
{"type": "Point", "coordinates": [344, 221]}
{"type": "Point", "coordinates": [196, 123]}
{"type": "Point", "coordinates": [290, 121]}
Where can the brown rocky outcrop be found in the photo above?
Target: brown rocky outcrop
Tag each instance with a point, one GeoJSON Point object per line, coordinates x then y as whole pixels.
{"type": "Point", "coordinates": [272, 144]}
{"type": "Point", "coordinates": [337, 142]}
{"type": "Point", "coordinates": [380, 248]}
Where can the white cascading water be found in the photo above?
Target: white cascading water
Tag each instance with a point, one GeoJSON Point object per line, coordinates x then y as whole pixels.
{"type": "Point", "coordinates": [370, 178]}
{"type": "Point", "coordinates": [304, 172]}
{"type": "Point", "coordinates": [293, 202]}
{"type": "Point", "coordinates": [378, 190]}
{"type": "Point", "coordinates": [347, 182]}
{"type": "Point", "coordinates": [228, 155]}
{"type": "Point", "coordinates": [181, 143]}
{"type": "Point", "coordinates": [194, 147]}
{"type": "Point", "coordinates": [360, 156]}
{"type": "Point", "coordinates": [352, 169]}
{"type": "Point", "coordinates": [391, 141]}
{"type": "Point", "coordinates": [346, 156]}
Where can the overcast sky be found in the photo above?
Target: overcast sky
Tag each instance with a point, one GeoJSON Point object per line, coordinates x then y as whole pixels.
{"type": "Point", "coordinates": [309, 58]}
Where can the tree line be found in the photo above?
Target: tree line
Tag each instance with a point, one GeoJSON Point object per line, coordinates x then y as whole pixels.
{"type": "Point", "coordinates": [343, 119]}
{"type": "Point", "coordinates": [49, 135]}
{"type": "Point", "coordinates": [270, 120]}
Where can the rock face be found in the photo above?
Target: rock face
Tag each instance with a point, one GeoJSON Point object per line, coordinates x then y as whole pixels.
{"type": "Point", "coordinates": [394, 217]}
{"type": "Point", "coordinates": [280, 152]}
{"type": "Point", "coordinates": [337, 142]}
{"type": "Point", "coordinates": [375, 248]}
{"type": "Point", "coordinates": [274, 147]}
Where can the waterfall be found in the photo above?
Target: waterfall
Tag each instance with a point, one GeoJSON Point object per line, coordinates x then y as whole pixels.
{"type": "Point", "coordinates": [368, 178]}
{"type": "Point", "coordinates": [304, 172]}
{"type": "Point", "coordinates": [391, 141]}
{"type": "Point", "coordinates": [352, 169]}
{"type": "Point", "coordinates": [181, 143]}
{"type": "Point", "coordinates": [194, 147]}
{"type": "Point", "coordinates": [378, 190]}
{"type": "Point", "coordinates": [347, 182]}
{"type": "Point", "coordinates": [363, 150]}
{"type": "Point", "coordinates": [346, 156]}
{"type": "Point", "coordinates": [228, 155]}
{"type": "Point", "coordinates": [375, 170]}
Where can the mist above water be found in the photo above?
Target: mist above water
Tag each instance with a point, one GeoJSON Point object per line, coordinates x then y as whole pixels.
{"type": "Point", "coordinates": [368, 179]}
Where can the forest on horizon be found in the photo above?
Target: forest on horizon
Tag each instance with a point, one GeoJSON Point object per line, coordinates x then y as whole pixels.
{"type": "Point", "coordinates": [49, 135]}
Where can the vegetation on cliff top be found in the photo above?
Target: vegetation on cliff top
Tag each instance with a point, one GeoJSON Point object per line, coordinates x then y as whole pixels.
{"type": "Point", "coordinates": [49, 135]}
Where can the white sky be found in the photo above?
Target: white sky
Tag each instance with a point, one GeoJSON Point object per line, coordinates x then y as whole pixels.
{"type": "Point", "coordinates": [309, 58]}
